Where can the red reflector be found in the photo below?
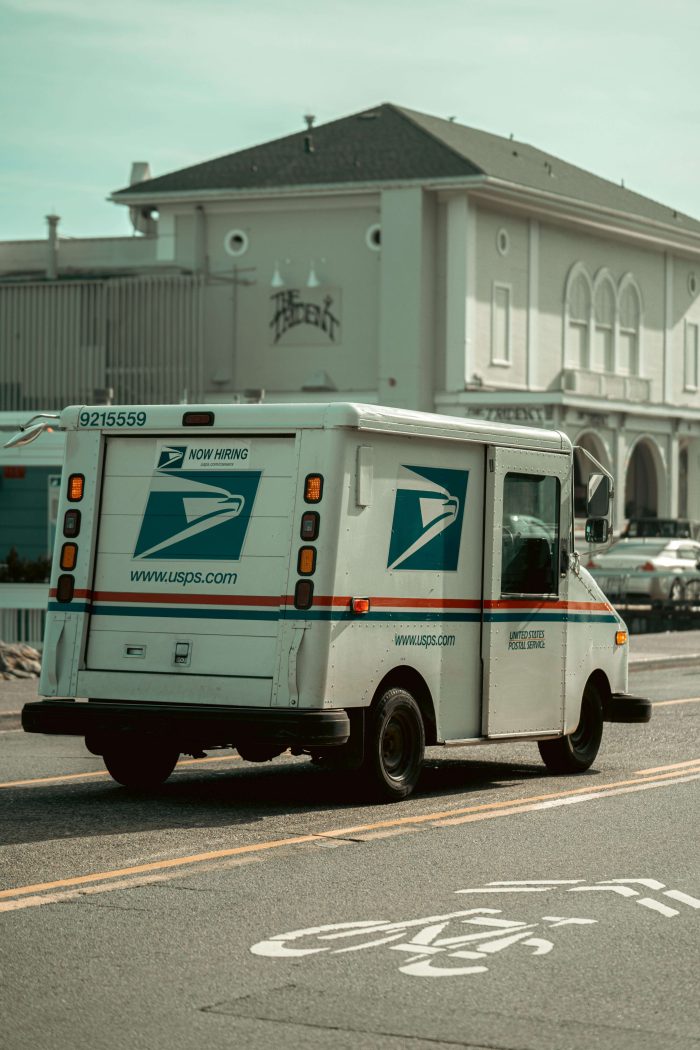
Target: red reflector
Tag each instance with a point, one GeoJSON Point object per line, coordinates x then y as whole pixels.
{"type": "Point", "coordinates": [64, 588]}
{"type": "Point", "coordinates": [359, 605]}
{"type": "Point", "coordinates": [303, 594]}
{"type": "Point", "coordinates": [648, 566]}
{"type": "Point", "coordinates": [198, 419]}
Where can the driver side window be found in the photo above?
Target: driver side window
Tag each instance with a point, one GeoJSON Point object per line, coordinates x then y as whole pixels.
{"type": "Point", "coordinates": [530, 534]}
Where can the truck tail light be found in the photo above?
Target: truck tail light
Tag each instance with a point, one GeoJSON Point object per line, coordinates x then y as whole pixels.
{"type": "Point", "coordinates": [313, 488]}
{"type": "Point", "coordinates": [71, 522]}
{"type": "Point", "coordinates": [76, 487]}
{"type": "Point", "coordinates": [65, 588]}
{"type": "Point", "coordinates": [69, 556]}
{"type": "Point", "coordinates": [306, 562]}
{"type": "Point", "coordinates": [648, 566]}
{"type": "Point", "coordinates": [198, 419]}
{"type": "Point", "coordinates": [310, 522]}
{"type": "Point", "coordinates": [303, 594]}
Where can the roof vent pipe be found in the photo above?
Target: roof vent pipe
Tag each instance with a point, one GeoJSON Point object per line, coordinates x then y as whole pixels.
{"type": "Point", "coordinates": [52, 255]}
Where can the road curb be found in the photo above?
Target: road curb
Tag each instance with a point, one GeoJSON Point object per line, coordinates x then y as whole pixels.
{"type": "Point", "coordinates": [654, 663]}
{"type": "Point", "coordinates": [10, 720]}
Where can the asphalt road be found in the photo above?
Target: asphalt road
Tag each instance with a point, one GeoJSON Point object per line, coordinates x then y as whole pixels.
{"type": "Point", "coordinates": [498, 907]}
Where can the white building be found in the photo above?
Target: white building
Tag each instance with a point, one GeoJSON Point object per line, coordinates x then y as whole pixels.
{"type": "Point", "coordinates": [388, 257]}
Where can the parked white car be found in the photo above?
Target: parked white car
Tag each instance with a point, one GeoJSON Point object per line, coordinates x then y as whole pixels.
{"type": "Point", "coordinates": [648, 569]}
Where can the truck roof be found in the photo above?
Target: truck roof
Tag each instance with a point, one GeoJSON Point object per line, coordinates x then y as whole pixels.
{"type": "Point", "coordinates": [285, 417]}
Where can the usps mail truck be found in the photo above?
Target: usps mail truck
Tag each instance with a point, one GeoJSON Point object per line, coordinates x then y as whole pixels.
{"type": "Point", "coordinates": [346, 581]}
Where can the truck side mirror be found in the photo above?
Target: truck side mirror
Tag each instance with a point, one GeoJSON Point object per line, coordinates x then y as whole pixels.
{"type": "Point", "coordinates": [598, 505]}
{"type": "Point", "coordinates": [597, 530]}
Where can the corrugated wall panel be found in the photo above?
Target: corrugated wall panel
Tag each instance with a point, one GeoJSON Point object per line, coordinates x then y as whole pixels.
{"type": "Point", "coordinates": [61, 341]}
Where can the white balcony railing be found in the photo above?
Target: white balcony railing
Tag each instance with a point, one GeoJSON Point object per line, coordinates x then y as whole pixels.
{"type": "Point", "coordinates": [23, 612]}
{"type": "Point", "coordinates": [606, 385]}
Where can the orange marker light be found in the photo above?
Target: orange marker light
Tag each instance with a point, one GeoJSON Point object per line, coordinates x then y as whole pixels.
{"type": "Point", "coordinates": [313, 488]}
{"type": "Point", "coordinates": [306, 563]}
{"type": "Point", "coordinates": [69, 555]}
{"type": "Point", "coordinates": [359, 605]}
{"type": "Point", "coordinates": [76, 487]}
{"type": "Point", "coordinates": [621, 638]}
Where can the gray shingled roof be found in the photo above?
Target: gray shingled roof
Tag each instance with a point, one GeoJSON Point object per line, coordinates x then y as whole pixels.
{"type": "Point", "coordinates": [390, 144]}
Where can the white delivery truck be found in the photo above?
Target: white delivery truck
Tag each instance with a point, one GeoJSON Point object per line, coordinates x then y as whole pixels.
{"type": "Point", "coordinates": [348, 581]}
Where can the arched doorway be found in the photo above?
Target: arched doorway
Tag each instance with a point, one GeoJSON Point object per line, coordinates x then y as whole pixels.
{"type": "Point", "coordinates": [644, 480]}
{"type": "Point", "coordinates": [583, 468]}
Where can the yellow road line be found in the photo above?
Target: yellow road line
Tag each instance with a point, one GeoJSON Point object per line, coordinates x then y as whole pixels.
{"type": "Point", "coordinates": [485, 809]}
{"type": "Point", "coordinates": [662, 769]}
{"type": "Point", "coordinates": [103, 772]}
{"type": "Point", "coordinates": [668, 703]}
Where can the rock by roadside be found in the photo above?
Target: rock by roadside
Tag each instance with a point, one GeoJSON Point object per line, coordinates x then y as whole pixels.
{"type": "Point", "coordinates": [19, 661]}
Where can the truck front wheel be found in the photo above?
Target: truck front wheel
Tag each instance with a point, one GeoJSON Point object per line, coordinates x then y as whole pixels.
{"type": "Point", "coordinates": [139, 764]}
{"type": "Point", "coordinates": [394, 746]}
{"type": "Point", "coordinates": [577, 752]}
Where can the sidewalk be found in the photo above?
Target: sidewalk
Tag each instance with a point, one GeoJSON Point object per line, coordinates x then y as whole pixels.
{"type": "Point", "coordinates": [648, 652]}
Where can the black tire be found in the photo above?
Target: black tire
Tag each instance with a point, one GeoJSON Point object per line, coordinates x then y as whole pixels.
{"type": "Point", "coordinates": [577, 752]}
{"type": "Point", "coordinates": [394, 746]}
{"type": "Point", "coordinates": [139, 765]}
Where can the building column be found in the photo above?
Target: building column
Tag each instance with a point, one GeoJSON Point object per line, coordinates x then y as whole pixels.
{"type": "Point", "coordinates": [619, 465]}
{"type": "Point", "coordinates": [406, 302]}
{"type": "Point", "coordinates": [459, 299]}
{"type": "Point", "coordinates": [673, 454]}
{"type": "Point", "coordinates": [533, 295]}
{"type": "Point", "coordinates": [667, 394]}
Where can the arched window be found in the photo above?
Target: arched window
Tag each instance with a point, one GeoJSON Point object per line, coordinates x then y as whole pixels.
{"type": "Point", "coordinates": [602, 357]}
{"type": "Point", "coordinates": [578, 317]}
{"type": "Point", "coordinates": [628, 357]}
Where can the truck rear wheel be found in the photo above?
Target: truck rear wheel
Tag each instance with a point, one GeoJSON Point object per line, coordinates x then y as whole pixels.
{"type": "Point", "coordinates": [394, 746]}
{"type": "Point", "coordinates": [577, 752]}
{"type": "Point", "coordinates": [138, 764]}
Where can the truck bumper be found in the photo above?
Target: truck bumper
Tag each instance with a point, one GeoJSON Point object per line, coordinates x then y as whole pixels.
{"type": "Point", "coordinates": [185, 724]}
{"type": "Point", "coordinates": [621, 707]}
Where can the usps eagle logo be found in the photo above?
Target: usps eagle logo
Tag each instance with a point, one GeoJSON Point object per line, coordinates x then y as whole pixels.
{"type": "Point", "coordinates": [197, 515]}
{"type": "Point", "coordinates": [428, 512]}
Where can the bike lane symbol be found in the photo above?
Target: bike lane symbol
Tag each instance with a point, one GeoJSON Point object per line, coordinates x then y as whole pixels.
{"type": "Point", "coordinates": [435, 950]}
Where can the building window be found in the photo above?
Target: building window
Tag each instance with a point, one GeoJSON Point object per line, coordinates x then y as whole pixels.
{"type": "Point", "coordinates": [373, 237]}
{"type": "Point", "coordinates": [500, 325]}
{"type": "Point", "coordinates": [236, 243]}
{"type": "Point", "coordinates": [577, 310]}
{"type": "Point", "coordinates": [602, 357]}
{"type": "Point", "coordinates": [630, 324]}
{"type": "Point", "coordinates": [692, 344]}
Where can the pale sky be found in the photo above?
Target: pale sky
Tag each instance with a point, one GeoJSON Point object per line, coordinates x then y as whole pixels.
{"type": "Point", "coordinates": [90, 86]}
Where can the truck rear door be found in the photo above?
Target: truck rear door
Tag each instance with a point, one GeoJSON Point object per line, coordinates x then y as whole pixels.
{"type": "Point", "coordinates": [192, 554]}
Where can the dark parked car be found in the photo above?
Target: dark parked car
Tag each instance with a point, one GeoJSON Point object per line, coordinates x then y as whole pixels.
{"type": "Point", "coordinates": [671, 528]}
